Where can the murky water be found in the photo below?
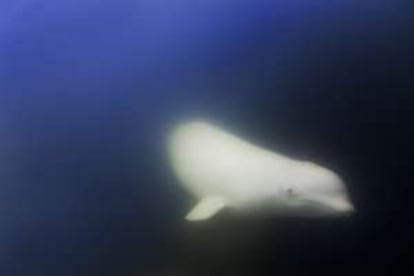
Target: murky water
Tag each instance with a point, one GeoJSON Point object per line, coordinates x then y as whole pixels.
{"type": "Point", "coordinates": [90, 89]}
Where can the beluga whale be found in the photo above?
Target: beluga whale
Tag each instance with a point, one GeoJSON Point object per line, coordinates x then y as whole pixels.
{"type": "Point", "coordinates": [222, 170]}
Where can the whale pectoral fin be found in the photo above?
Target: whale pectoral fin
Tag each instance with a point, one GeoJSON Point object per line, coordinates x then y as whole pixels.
{"type": "Point", "coordinates": [206, 208]}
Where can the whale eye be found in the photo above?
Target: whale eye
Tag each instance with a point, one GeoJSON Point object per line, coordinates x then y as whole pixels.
{"type": "Point", "coordinates": [290, 192]}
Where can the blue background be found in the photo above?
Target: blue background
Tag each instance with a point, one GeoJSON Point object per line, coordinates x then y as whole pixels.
{"type": "Point", "coordinates": [88, 90]}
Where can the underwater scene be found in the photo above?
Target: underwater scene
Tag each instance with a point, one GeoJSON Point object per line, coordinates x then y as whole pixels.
{"type": "Point", "coordinates": [193, 138]}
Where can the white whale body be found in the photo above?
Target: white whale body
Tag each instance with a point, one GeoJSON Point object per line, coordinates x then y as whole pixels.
{"type": "Point", "coordinates": [224, 171]}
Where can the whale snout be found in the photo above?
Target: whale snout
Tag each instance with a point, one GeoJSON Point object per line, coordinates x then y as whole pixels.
{"type": "Point", "coordinates": [342, 206]}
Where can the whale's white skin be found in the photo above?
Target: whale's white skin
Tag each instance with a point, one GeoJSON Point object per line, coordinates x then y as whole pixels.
{"type": "Point", "coordinates": [222, 170]}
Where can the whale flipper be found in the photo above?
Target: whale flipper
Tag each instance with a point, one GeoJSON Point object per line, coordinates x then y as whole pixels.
{"type": "Point", "coordinates": [206, 208]}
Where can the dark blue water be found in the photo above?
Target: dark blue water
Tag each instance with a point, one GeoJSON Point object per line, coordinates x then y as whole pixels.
{"type": "Point", "coordinates": [89, 88]}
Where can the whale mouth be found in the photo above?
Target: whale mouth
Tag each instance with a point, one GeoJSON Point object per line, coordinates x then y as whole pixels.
{"type": "Point", "coordinates": [311, 208]}
{"type": "Point", "coordinates": [348, 211]}
{"type": "Point", "coordinates": [342, 209]}
{"type": "Point", "coordinates": [342, 206]}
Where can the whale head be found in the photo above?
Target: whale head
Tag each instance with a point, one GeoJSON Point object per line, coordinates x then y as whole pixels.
{"type": "Point", "coordinates": [312, 190]}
